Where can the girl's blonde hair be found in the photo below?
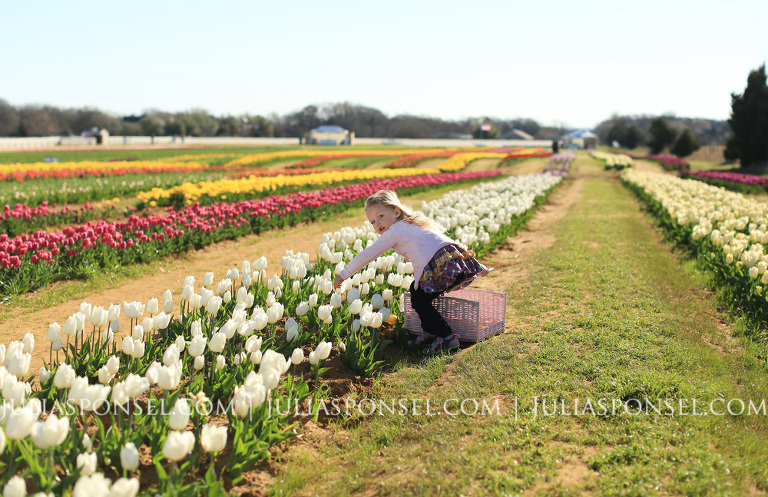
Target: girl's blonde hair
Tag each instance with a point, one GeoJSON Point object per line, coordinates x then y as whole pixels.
{"type": "Point", "coordinates": [389, 198]}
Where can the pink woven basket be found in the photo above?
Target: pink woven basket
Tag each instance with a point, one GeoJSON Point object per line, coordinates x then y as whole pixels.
{"type": "Point", "coordinates": [473, 314]}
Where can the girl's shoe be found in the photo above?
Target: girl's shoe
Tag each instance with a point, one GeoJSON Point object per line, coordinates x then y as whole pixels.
{"type": "Point", "coordinates": [442, 345]}
{"type": "Point", "coordinates": [423, 339]}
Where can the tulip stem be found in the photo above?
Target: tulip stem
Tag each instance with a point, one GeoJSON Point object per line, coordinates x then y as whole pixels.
{"type": "Point", "coordinates": [50, 470]}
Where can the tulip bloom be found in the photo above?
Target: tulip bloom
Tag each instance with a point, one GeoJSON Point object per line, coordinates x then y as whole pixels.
{"type": "Point", "coordinates": [213, 438]}
{"type": "Point", "coordinates": [50, 433]}
{"type": "Point", "coordinates": [180, 414]}
{"type": "Point", "coordinates": [297, 356]}
{"type": "Point", "coordinates": [178, 445]}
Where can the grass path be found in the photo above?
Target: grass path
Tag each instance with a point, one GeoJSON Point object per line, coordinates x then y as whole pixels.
{"type": "Point", "coordinates": [602, 310]}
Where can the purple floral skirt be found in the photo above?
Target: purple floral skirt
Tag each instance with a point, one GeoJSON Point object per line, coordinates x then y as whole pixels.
{"type": "Point", "coordinates": [451, 268]}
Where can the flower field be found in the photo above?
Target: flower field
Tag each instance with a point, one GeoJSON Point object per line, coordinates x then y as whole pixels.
{"type": "Point", "coordinates": [238, 369]}
{"type": "Point", "coordinates": [195, 388]}
{"type": "Point", "coordinates": [725, 230]}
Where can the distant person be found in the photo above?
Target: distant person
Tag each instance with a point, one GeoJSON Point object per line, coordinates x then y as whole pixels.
{"type": "Point", "coordinates": [439, 263]}
{"type": "Point", "coordinates": [555, 147]}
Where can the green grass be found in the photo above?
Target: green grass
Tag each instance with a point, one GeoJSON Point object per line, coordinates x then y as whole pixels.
{"type": "Point", "coordinates": [608, 311]}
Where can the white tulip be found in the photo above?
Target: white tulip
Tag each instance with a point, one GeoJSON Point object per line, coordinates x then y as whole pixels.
{"type": "Point", "coordinates": [120, 394]}
{"type": "Point", "coordinates": [153, 306]}
{"type": "Point", "coordinates": [217, 343]}
{"type": "Point", "coordinates": [324, 313]}
{"type": "Point", "coordinates": [16, 487]}
{"type": "Point", "coordinates": [168, 306]}
{"type": "Point", "coordinates": [148, 323]}
{"type": "Point", "coordinates": [20, 422]}
{"type": "Point", "coordinates": [104, 376]}
{"type": "Point", "coordinates": [353, 295]}
{"type": "Point", "coordinates": [199, 363]}
{"type": "Point", "coordinates": [186, 292]}
{"type": "Point", "coordinates": [197, 346]}
{"type": "Point", "coordinates": [323, 350]}
{"type": "Point", "coordinates": [128, 346]}
{"type": "Point", "coordinates": [161, 321]}
{"type": "Point", "coordinates": [255, 357]}
{"type": "Point", "coordinates": [355, 306]}
{"type": "Point", "coordinates": [44, 375]}
{"type": "Point", "coordinates": [69, 326]}
{"type": "Point", "coordinates": [260, 264]}
{"type": "Point", "coordinates": [179, 416]}
{"type": "Point", "coordinates": [220, 362]}
{"type": "Point", "coordinates": [253, 343]}
{"type": "Point", "coordinates": [79, 321]}
{"type": "Point", "coordinates": [208, 279]}
{"type": "Point", "coordinates": [134, 310]}
{"type": "Point", "coordinates": [113, 364]}
{"type": "Point", "coordinates": [138, 349]}
{"type": "Point", "coordinates": [28, 343]}
{"type": "Point", "coordinates": [65, 376]}
{"type": "Point", "coordinates": [195, 301]}
{"type": "Point", "coordinates": [18, 364]}
{"type": "Point", "coordinates": [85, 310]}
{"type": "Point", "coordinates": [168, 378]}
{"type": "Point", "coordinates": [291, 330]}
{"type": "Point", "coordinates": [178, 445]}
{"type": "Point", "coordinates": [297, 356]}
{"type": "Point", "coordinates": [54, 332]}
{"type": "Point", "coordinates": [205, 296]}
{"type": "Point", "coordinates": [50, 433]}
{"type": "Point", "coordinates": [228, 329]}
{"type": "Point", "coordinates": [171, 355]}
{"type": "Point", "coordinates": [302, 309]}
{"type": "Point", "coordinates": [87, 462]}
{"type": "Point", "coordinates": [387, 294]}
{"type": "Point", "coordinates": [213, 438]}
{"type": "Point", "coordinates": [259, 318]}
{"type": "Point", "coordinates": [275, 312]}
{"type": "Point", "coordinates": [124, 487]}
{"type": "Point", "coordinates": [87, 443]}
{"type": "Point", "coordinates": [377, 301]}
{"type": "Point", "coordinates": [152, 373]}
{"type": "Point", "coordinates": [167, 295]}
{"type": "Point", "coordinates": [138, 332]}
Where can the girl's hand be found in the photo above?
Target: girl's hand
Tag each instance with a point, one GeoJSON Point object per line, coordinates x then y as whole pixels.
{"type": "Point", "coordinates": [337, 282]}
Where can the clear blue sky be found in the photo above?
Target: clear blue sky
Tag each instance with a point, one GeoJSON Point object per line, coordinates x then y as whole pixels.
{"type": "Point", "coordinates": [560, 62]}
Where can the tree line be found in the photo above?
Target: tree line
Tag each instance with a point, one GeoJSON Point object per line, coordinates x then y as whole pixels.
{"type": "Point", "coordinates": [745, 134]}
{"type": "Point", "coordinates": [48, 120]}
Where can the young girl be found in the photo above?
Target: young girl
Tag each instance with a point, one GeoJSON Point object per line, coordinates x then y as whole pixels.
{"type": "Point", "coordinates": [439, 263]}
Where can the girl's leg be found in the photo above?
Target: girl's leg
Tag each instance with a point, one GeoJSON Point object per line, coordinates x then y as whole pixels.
{"type": "Point", "coordinates": [430, 319]}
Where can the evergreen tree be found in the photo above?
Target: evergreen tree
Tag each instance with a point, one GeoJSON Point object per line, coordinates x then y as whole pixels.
{"type": "Point", "coordinates": [686, 144]}
{"type": "Point", "coordinates": [749, 122]}
{"type": "Point", "coordinates": [662, 135]}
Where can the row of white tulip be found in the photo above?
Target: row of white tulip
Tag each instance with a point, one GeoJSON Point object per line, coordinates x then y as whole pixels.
{"type": "Point", "coordinates": [471, 216]}
{"type": "Point", "coordinates": [728, 230]}
{"type": "Point", "coordinates": [613, 161]}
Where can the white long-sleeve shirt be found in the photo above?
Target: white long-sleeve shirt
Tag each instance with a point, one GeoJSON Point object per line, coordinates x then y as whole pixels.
{"type": "Point", "coordinates": [415, 243]}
